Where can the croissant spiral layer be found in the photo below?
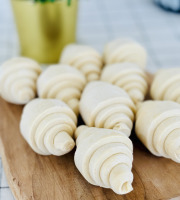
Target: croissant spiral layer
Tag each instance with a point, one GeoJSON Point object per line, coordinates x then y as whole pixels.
{"type": "Point", "coordinates": [158, 127]}
{"type": "Point", "coordinates": [104, 105]}
{"type": "Point", "coordinates": [84, 58]}
{"type": "Point", "coordinates": [48, 126]}
{"type": "Point", "coordinates": [104, 158]}
{"type": "Point", "coordinates": [128, 76]}
{"type": "Point", "coordinates": [62, 82]}
{"type": "Point", "coordinates": [165, 85]}
{"type": "Point", "coordinates": [18, 80]}
{"type": "Point", "coordinates": [125, 50]}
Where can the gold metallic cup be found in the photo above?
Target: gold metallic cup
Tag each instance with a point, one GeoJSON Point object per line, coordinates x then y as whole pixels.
{"type": "Point", "coordinates": [45, 28]}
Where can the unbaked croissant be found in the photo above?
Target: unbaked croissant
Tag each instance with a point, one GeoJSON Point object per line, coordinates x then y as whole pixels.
{"type": "Point", "coordinates": [18, 80]}
{"type": "Point", "coordinates": [62, 82]}
{"type": "Point", "coordinates": [166, 85]}
{"type": "Point", "coordinates": [104, 105]}
{"type": "Point", "coordinates": [104, 158]}
{"type": "Point", "coordinates": [128, 76]}
{"type": "Point", "coordinates": [84, 58]}
{"type": "Point", "coordinates": [48, 126]}
{"type": "Point", "coordinates": [158, 127]}
{"type": "Point", "coordinates": [125, 50]}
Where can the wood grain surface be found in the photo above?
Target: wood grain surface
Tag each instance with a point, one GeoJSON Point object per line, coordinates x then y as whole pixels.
{"type": "Point", "coordinates": [34, 177]}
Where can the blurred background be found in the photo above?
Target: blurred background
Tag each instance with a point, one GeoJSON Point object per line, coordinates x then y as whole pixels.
{"type": "Point", "coordinates": [103, 20]}
{"type": "Point", "coordinates": [152, 24]}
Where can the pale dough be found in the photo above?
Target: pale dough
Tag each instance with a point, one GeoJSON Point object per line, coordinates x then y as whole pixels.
{"type": "Point", "coordinates": [128, 76]}
{"type": "Point", "coordinates": [48, 126]}
{"type": "Point", "coordinates": [84, 58]}
{"type": "Point", "coordinates": [125, 50]}
{"type": "Point", "coordinates": [62, 82]}
{"type": "Point", "coordinates": [104, 105]}
{"type": "Point", "coordinates": [18, 80]}
{"type": "Point", "coordinates": [158, 127]}
{"type": "Point", "coordinates": [166, 85]}
{"type": "Point", "coordinates": [104, 158]}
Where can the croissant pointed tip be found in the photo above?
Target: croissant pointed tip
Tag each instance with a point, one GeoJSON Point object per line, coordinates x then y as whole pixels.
{"type": "Point", "coordinates": [25, 95]}
{"type": "Point", "coordinates": [178, 155]}
{"type": "Point", "coordinates": [64, 142]}
{"type": "Point", "coordinates": [126, 188]}
{"type": "Point", "coordinates": [123, 127]}
{"type": "Point", "coordinates": [136, 95]}
{"type": "Point", "coordinates": [173, 152]}
{"type": "Point", "coordinates": [68, 146]}
{"type": "Point", "coordinates": [171, 145]}
{"type": "Point", "coordinates": [121, 179]}
{"type": "Point", "coordinates": [123, 188]}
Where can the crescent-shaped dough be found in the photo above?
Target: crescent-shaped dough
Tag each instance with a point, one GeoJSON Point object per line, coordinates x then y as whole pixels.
{"type": "Point", "coordinates": [129, 77]}
{"type": "Point", "coordinates": [104, 158]}
{"type": "Point", "coordinates": [104, 105]}
{"type": "Point", "coordinates": [158, 127]}
{"type": "Point", "coordinates": [18, 80]}
{"type": "Point", "coordinates": [166, 85]}
{"type": "Point", "coordinates": [125, 50]}
{"type": "Point", "coordinates": [48, 126]}
{"type": "Point", "coordinates": [84, 58]}
{"type": "Point", "coordinates": [62, 82]}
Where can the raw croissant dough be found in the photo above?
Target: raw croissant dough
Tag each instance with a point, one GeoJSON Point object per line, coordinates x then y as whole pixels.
{"type": "Point", "coordinates": [125, 50]}
{"type": "Point", "coordinates": [165, 85]}
{"type": "Point", "coordinates": [158, 127]}
{"type": "Point", "coordinates": [104, 157]}
{"type": "Point", "coordinates": [18, 80]}
{"type": "Point", "coordinates": [48, 126]}
{"type": "Point", "coordinates": [62, 82]}
{"type": "Point", "coordinates": [128, 76]}
{"type": "Point", "coordinates": [84, 58]}
{"type": "Point", "coordinates": [104, 105]}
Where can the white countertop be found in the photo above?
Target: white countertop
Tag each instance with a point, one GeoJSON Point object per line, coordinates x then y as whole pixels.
{"type": "Point", "coordinates": [101, 21]}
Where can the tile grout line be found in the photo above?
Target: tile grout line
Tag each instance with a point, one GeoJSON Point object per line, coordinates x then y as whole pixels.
{"type": "Point", "coordinates": [104, 17]}
{"type": "Point", "coordinates": [145, 37]}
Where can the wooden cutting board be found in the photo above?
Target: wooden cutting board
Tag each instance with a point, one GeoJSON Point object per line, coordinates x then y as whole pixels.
{"type": "Point", "coordinates": [34, 177]}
